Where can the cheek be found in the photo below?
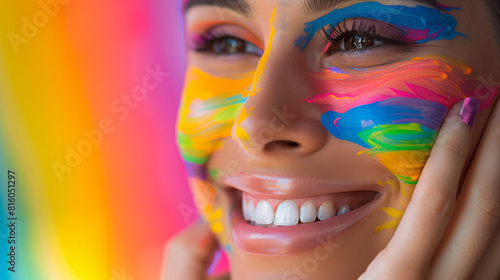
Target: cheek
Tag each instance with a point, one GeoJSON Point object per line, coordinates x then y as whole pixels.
{"type": "Point", "coordinates": [393, 112]}
{"type": "Point", "coordinates": [208, 110]}
{"type": "Point", "coordinates": [399, 130]}
{"type": "Point", "coordinates": [205, 195]}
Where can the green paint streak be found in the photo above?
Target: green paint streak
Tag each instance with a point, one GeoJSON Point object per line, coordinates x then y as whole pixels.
{"type": "Point", "coordinates": [398, 137]}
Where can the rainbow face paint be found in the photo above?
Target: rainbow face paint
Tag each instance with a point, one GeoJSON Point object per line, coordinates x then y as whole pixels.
{"type": "Point", "coordinates": [434, 79]}
{"type": "Point", "coordinates": [359, 124]}
{"type": "Point", "coordinates": [419, 24]}
{"type": "Point", "coordinates": [394, 111]}
{"type": "Point", "coordinates": [208, 109]}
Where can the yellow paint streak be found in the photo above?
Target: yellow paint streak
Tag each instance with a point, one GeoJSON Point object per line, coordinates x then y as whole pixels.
{"type": "Point", "coordinates": [214, 218]}
{"type": "Point", "coordinates": [217, 227]}
{"type": "Point", "coordinates": [405, 192]}
{"type": "Point", "coordinates": [239, 132]}
{"type": "Point", "coordinates": [204, 194]}
{"type": "Point", "coordinates": [391, 183]}
{"type": "Point", "coordinates": [387, 225]}
{"type": "Point", "coordinates": [263, 61]}
{"type": "Point", "coordinates": [392, 212]}
{"type": "Point", "coordinates": [208, 110]}
{"type": "Point", "coordinates": [405, 163]}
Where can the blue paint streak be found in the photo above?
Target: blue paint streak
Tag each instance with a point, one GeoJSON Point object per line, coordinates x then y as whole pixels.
{"type": "Point", "coordinates": [397, 110]}
{"type": "Point", "coordinates": [215, 262]}
{"type": "Point", "coordinates": [449, 8]}
{"type": "Point", "coordinates": [218, 102]}
{"type": "Point", "coordinates": [336, 70]}
{"type": "Point", "coordinates": [359, 69]}
{"type": "Point", "coordinates": [403, 17]}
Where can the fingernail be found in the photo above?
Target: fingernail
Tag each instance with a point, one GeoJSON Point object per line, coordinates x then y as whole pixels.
{"type": "Point", "coordinates": [468, 111]}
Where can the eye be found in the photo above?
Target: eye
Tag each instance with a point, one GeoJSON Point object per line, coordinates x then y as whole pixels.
{"type": "Point", "coordinates": [358, 42]}
{"type": "Point", "coordinates": [228, 45]}
{"type": "Point", "coordinates": [358, 35]}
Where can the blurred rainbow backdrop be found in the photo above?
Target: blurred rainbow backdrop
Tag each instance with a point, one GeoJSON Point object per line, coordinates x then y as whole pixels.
{"type": "Point", "coordinates": [91, 204]}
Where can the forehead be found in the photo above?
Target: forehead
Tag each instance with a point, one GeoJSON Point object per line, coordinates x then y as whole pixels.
{"type": "Point", "coordinates": [307, 6]}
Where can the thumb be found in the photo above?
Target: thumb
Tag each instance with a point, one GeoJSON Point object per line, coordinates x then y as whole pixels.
{"type": "Point", "coordinates": [187, 255]}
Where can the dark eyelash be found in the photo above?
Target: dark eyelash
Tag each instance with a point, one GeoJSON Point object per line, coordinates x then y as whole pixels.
{"type": "Point", "coordinates": [204, 40]}
{"type": "Point", "coordinates": [335, 34]}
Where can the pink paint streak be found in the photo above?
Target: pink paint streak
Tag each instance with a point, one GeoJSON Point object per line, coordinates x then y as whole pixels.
{"type": "Point", "coordinates": [422, 78]}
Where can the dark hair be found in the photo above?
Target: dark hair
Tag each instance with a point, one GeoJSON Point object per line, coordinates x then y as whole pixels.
{"type": "Point", "coordinates": [494, 6]}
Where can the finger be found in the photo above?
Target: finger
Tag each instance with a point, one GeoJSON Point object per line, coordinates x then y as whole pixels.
{"type": "Point", "coordinates": [476, 217]}
{"type": "Point", "coordinates": [188, 254]}
{"type": "Point", "coordinates": [411, 248]}
{"type": "Point", "coordinates": [489, 267]}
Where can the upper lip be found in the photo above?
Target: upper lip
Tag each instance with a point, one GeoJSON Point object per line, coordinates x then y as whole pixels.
{"type": "Point", "coordinates": [271, 186]}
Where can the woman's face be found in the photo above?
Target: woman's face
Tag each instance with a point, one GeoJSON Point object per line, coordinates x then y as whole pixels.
{"type": "Point", "coordinates": [305, 125]}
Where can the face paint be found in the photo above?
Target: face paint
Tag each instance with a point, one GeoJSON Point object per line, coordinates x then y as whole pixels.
{"type": "Point", "coordinates": [394, 112]}
{"type": "Point", "coordinates": [393, 213]}
{"type": "Point", "coordinates": [430, 79]}
{"type": "Point", "coordinates": [208, 109]}
{"type": "Point", "coordinates": [419, 24]}
{"type": "Point", "coordinates": [263, 61]}
{"type": "Point", "coordinates": [239, 132]}
{"type": "Point", "coordinates": [204, 195]}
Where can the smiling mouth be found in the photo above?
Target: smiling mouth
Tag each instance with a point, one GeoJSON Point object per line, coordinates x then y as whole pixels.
{"type": "Point", "coordinates": [274, 212]}
{"type": "Point", "coordinates": [272, 215]}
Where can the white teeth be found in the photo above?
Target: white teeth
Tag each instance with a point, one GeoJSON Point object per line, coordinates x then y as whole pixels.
{"type": "Point", "coordinates": [326, 210]}
{"type": "Point", "coordinates": [244, 209]}
{"type": "Point", "coordinates": [264, 213]}
{"type": "Point", "coordinates": [344, 209]}
{"type": "Point", "coordinates": [287, 214]}
{"type": "Point", "coordinates": [308, 212]}
{"type": "Point", "coordinates": [251, 211]}
{"type": "Point", "coordinates": [248, 210]}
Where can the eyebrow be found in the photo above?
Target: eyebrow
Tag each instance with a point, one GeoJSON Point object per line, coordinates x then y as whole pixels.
{"type": "Point", "coordinates": [315, 6]}
{"type": "Point", "coordinates": [308, 6]}
{"type": "Point", "coordinates": [240, 6]}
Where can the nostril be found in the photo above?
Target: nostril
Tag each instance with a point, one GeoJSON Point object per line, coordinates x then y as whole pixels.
{"type": "Point", "coordinates": [281, 145]}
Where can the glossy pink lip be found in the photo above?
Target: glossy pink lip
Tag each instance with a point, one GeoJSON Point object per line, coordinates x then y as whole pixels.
{"type": "Point", "coordinates": [293, 239]}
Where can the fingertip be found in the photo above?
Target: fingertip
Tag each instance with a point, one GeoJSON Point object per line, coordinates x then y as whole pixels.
{"type": "Point", "coordinates": [468, 111]}
{"type": "Point", "coordinates": [187, 255]}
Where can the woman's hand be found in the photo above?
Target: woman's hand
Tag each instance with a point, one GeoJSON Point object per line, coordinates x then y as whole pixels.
{"type": "Point", "coordinates": [441, 236]}
{"type": "Point", "coordinates": [188, 255]}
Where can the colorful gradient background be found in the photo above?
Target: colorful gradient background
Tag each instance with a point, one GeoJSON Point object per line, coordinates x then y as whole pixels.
{"type": "Point", "coordinates": [111, 216]}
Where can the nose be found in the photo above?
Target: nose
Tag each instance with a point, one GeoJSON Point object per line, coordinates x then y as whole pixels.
{"type": "Point", "coordinates": [276, 120]}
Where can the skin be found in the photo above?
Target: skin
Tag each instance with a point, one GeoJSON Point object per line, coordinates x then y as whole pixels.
{"type": "Point", "coordinates": [419, 244]}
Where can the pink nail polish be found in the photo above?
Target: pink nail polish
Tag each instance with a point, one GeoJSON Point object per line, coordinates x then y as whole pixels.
{"type": "Point", "coordinates": [468, 111]}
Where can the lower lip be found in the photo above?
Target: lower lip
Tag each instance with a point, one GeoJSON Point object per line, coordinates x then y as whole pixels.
{"type": "Point", "coordinates": [293, 239]}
